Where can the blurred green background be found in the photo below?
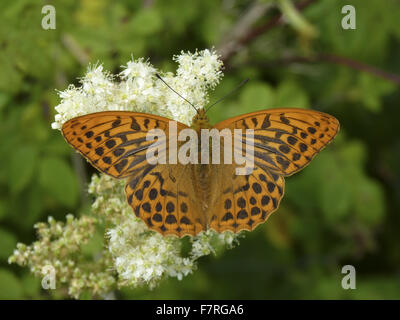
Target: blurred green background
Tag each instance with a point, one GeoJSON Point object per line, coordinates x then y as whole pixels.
{"type": "Point", "coordinates": [343, 209]}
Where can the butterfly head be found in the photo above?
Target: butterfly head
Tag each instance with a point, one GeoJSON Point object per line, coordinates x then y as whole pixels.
{"type": "Point", "coordinates": [200, 120]}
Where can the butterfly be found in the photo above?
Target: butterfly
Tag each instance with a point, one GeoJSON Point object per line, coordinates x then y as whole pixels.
{"type": "Point", "coordinates": [185, 199]}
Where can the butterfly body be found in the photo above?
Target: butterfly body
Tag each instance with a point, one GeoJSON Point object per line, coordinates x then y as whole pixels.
{"type": "Point", "coordinates": [202, 172]}
{"type": "Point", "coordinates": [185, 199]}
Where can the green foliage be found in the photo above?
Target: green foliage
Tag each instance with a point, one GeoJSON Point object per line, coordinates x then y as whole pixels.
{"type": "Point", "coordinates": [51, 172]}
{"type": "Point", "coordinates": [11, 287]}
{"type": "Point", "coordinates": [371, 90]}
{"type": "Point", "coordinates": [342, 209]}
{"type": "Point", "coordinates": [22, 166]}
{"type": "Point", "coordinates": [7, 244]}
{"type": "Point", "coordinates": [290, 95]}
{"type": "Point", "coordinates": [257, 94]}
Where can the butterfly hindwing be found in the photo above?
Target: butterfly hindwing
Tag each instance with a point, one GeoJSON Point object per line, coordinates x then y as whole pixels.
{"type": "Point", "coordinates": [244, 201]}
{"type": "Point", "coordinates": [164, 198]}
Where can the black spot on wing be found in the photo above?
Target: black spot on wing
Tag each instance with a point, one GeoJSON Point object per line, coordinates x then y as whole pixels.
{"type": "Point", "coordinates": [121, 165]}
{"type": "Point", "coordinates": [134, 125]}
{"type": "Point", "coordinates": [266, 123]}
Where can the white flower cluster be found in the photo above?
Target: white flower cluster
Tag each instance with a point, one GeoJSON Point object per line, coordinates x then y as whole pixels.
{"type": "Point", "coordinates": [59, 247]}
{"type": "Point", "coordinates": [139, 90]}
{"type": "Point", "coordinates": [145, 257]}
{"type": "Point", "coordinates": [142, 256]}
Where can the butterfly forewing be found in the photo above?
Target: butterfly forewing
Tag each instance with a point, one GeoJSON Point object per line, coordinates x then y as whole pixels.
{"type": "Point", "coordinates": [285, 140]}
{"type": "Point", "coordinates": [114, 142]}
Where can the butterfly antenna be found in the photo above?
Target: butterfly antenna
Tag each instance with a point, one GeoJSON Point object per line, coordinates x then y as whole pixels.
{"type": "Point", "coordinates": [159, 77]}
{"type": "Point", "coordinates": [227, 95]}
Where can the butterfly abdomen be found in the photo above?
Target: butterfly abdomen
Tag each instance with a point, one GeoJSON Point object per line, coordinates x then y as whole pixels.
{"type": "Point", "coordinates": [203, 181]}
{"type": "Point", "coordinates": [201, 174]}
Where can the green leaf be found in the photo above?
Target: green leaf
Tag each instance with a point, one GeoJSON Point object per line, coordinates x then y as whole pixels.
{"type": "Point", "coordinates": [34, 205]}
{"type": "Point", "coordinates": [22, 166]}
{"type": "Point", "coordinates": [10, 78]}
{"type": "Point", "coordinates": [336, 195]}
{"type": "Point", "coordinates": [327, 288]}
{"type": "Point", "coordinates": [3, 209]}
{"type": "Point", "coordinates": [378, 287]}
{"type": "Point", "coordinates": [353, 153]}
{"type": "Point", "coordinates": [4, 99]}
{"type": "Point", "coordinates": [146, 22]}
{"type": "Point", "coordinates": [56, 146]}
{"type": "Point", "coordinates": [210, 35]}
{"type": "Point", "coordinates": [369, 201]}
{"type": "Point", "coordinates": [290, 95]}
{"type": "Point", "coordinates": [10, 286]}
{"type": "Point", "coordinates": [372, 90]}
{"type": "Point", "coordinates": [301, 191]}
{"type": "Point", "coordinates": [58, 179]}
{"type": "Point", "coordinates": [257, 96]}
{"type": "Point", "coordinates": [31, 285]}
{"type": "Point", "coordinates": [7, 243]}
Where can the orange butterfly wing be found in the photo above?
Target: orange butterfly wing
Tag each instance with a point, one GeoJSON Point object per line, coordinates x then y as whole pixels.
{"type": "Point", "coordinates": [285, 141]}
{"type": "Point", "coordinates": [162, 195]}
